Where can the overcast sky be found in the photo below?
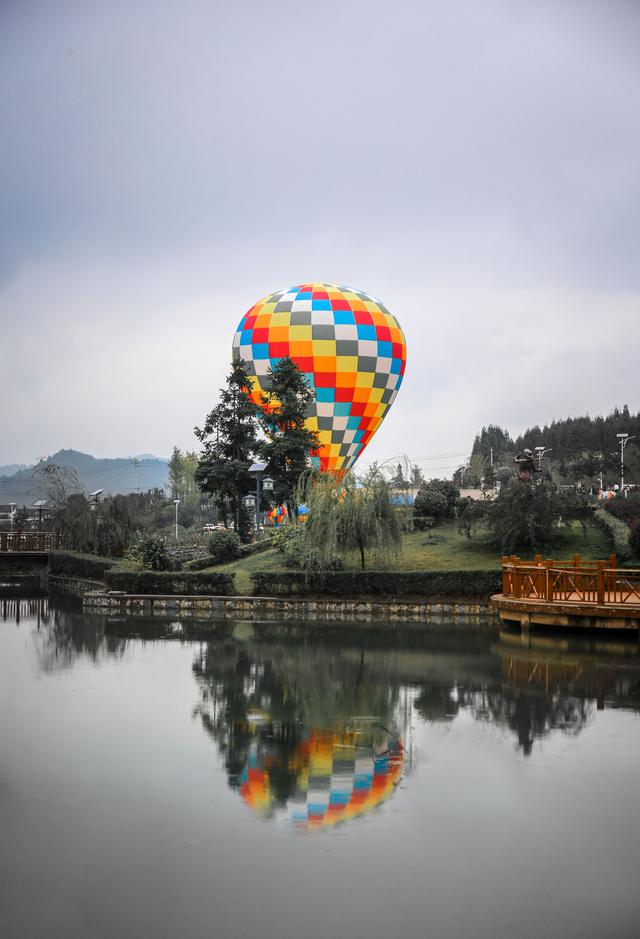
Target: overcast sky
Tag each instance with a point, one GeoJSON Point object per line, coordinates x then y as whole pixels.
{"type": "Point", "coordinates": [473, 163]}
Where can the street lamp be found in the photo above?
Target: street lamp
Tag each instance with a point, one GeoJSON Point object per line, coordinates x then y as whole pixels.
{"type": "Point", "coordinates": [176, 502]}
{"type": "Point", "coordinates": [623, 440]}
{"type": "Point", "coordinates": [257, 470]}
{"type": "Point", "coordinates": [541, 452]}
{"type": "Point", "coordinates": [39, 505]}
{"type": "Point", "coordinates": [94, 501]}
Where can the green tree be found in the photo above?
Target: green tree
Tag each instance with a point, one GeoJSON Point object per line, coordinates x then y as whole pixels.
{"type": "Point", "coordinates": [436, 499]}
{"type": "Point", "coordinates": [114, 526]}
{"type": "Point", "coordinates": [189, 469]}
{"type": "Point", "coordinates": [398, 482]}
{"type": "Point", "coordinates": [476, 471]}
{"type": "Point", "coordinates": [175, 472]}
{"type": "Point", "coordinates": [229, 439]}
{"type": "Point", "coordinates": [417, 477]}
{"type": "Point", "coordinates": [347, 515]}
{"type": "Point", "coordinates": [523, 515]}
{"type": "Point", "coordinates": [289, 441]}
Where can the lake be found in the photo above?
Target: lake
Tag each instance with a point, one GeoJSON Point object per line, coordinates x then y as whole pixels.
{"type": "Point", "coordinates": [307, 782]}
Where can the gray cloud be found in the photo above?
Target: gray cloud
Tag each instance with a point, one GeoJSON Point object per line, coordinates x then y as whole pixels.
{"type": "Point", "coordinates": [166, 164]}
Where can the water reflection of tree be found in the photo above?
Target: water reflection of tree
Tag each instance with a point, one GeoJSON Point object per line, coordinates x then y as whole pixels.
{"type": "Point", "coordinates": [66, 635]}
{"type": "Point", "coordinates": [527, 714]}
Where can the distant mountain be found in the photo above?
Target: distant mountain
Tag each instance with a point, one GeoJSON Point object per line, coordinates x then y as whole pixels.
{"type": "Point", "coordinates": [12, 468]}
{"type": "Point", "coordinates": [121, 475]}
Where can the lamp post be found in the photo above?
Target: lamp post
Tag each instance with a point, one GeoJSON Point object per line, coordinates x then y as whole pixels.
{"type": "Point", "coordinates": [94, 501]}
{"type": "Point", "coordinates": [541, 452]}
{"type": "Point", "coordinates": [623, 440]}
{"type": "Point", "coordinates": [257, 470]}
{"type": "Point", "coordinates": [176, 502]}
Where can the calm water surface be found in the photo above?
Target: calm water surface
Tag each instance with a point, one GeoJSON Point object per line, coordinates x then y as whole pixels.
{"type": "Point", "coordinates": [278, 783]}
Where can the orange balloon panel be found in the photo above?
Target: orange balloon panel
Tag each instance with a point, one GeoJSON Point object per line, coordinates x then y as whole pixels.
{"type": "Point", "coordinates": [351, 349]}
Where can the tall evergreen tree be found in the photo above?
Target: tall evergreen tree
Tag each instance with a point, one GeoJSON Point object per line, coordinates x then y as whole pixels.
{"type": "Point", "coordinates": [175, 472]}
{"type": "Point", "coordinates": [229, 438]}
{"type": "Point", "coordinates": [289, 441]}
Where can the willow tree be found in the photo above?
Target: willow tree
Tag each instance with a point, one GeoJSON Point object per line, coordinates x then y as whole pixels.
{"type": "Point", "coordinates": [349, 515]}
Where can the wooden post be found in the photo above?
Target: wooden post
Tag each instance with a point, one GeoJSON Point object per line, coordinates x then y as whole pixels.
{"type": "Point", "coordinates": [548, 586]}
{"type": "Point", "coordinates": [505, 576]}
{"type": "Point", "coordinates": [601, 582]}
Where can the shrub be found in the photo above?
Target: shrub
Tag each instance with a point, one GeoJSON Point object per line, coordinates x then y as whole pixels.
{"type": "Point", "coordinates": [634, 541]}
{"type": "Point", "coordinates": [627, 510]}
{"type": "Point", "coordinates": [151, 552]}
{"type": "Point", "coordinates": [187, 583]}
{"type": "Point", "coordinates": [224, 545]}
{"type": "Point", "coordinates": [393, 584]}
{"type": "Point", "coordinates": [617, 531]}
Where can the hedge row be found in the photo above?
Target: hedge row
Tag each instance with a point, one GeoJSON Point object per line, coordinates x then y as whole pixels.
{"type": "Point", "coordinates": [618, 532]}
{"type": "Point", "coordinates": [210, 583]}
{"type": "Point", "coordinates": [68, 564]}
{"type": "Point", "coordinates": [478, 584]}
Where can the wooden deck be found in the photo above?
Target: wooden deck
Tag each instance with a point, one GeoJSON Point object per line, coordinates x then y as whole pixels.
{"type": "Point", "coordinates": [591, 594]}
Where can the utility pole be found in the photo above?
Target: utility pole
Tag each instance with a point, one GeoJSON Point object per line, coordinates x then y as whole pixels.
{"type": "Point", "coordinates": [623, 440]}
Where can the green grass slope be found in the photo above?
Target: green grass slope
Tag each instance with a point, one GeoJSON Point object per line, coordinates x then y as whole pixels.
{"type": "Point", "coordinates": [442, 549]}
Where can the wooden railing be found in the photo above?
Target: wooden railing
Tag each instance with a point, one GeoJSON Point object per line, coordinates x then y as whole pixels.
{"type": "Point", "coordinates": [574, 581]}
{"type": "Point", "coordinates": [12, 542]}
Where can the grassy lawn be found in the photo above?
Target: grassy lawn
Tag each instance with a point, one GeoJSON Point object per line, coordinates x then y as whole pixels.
{"type": "Point", "coordinates": [442, 549]}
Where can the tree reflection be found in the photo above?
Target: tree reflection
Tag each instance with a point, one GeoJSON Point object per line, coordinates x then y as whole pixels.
{"type": "Point", "coordinates": [63, 634]}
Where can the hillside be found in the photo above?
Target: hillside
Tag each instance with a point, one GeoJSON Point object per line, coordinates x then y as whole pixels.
{"type": "Point", "coordinates": [120, 475]}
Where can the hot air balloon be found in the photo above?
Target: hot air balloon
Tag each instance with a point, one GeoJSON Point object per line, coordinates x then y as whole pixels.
{"type": "Point", "coordinates": [351, 349]}
{"type": "Point", "coordinates": [277, 516]}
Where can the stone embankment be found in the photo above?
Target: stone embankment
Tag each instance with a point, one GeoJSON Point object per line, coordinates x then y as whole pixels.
{"type": "Point", "coordinates": [282, 609]}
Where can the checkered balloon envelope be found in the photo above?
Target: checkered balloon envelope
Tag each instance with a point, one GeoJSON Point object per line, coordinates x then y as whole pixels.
{"type": "Point", "coordinates": [334, 776]}
{"type": "Point", "coordinates": [349, 346]}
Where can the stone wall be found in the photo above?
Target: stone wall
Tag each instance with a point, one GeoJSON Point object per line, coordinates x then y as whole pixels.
{"type": "Point", "coordinates": [281, 609]}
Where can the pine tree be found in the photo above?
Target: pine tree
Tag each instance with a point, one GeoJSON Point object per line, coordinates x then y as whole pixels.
{"type": "Point", "coordinates": [229, 438]}
{"type": "Point", "coordinates": [289, 441]}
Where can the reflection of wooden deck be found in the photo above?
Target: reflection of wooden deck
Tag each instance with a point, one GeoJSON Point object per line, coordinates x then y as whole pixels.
{"type": "Point", "coordinates": [595, 594]}
{"type": "Point", "coordinates": [604, 670]}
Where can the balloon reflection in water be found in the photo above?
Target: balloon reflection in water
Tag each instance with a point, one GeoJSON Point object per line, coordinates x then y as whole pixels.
{"type": "Point", "coordinates": [337, 776]}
